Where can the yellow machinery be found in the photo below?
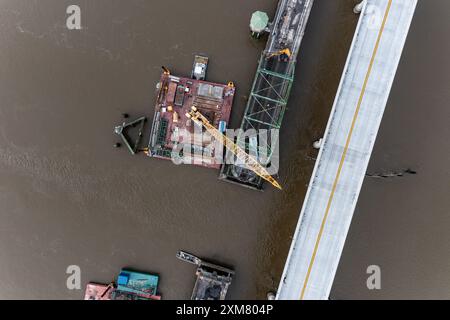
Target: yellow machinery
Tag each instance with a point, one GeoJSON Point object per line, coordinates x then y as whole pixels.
{"type": "Point", "coordinates": [248, 160]}
{"type": "Point", "coordinates": [285, 52]}
{"type": "Point", "coordinates": [166, 71]}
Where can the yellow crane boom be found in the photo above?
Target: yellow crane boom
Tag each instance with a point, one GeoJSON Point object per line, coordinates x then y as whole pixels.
{"type": "Point", "coordinates": [285, 52]}
{"type": "Point", "coordinates": [243, 156]}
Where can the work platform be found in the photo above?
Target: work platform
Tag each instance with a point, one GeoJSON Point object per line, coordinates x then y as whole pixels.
{"type": "Point", "coordinates": [346, 149]}
{"type": "Point", "coordinates": [175, 97]}
{"type": "Point", "coordinates": [271, 89]}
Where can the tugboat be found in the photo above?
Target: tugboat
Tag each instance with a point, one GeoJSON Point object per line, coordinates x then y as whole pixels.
{"type": "Point", "coordinates": [199, 68]}
{"type": "Point", "coordinates": [212, 280]}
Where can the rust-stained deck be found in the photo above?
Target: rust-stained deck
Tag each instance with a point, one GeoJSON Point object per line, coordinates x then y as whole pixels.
{"type": "Point", "coordinates": [175, 97]}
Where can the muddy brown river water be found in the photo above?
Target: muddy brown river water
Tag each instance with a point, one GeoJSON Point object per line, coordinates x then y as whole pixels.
{"type": "Point", "coordinates": [67, 197]}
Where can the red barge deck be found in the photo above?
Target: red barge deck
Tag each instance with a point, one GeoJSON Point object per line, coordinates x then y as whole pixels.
{"type": "Point", "coordinates": [175, 97]}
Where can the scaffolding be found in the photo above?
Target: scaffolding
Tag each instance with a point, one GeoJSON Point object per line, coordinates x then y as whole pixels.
{"type": "Point", "coordinates": [271, 90]}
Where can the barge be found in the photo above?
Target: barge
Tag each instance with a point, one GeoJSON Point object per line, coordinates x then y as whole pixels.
{"type": "Point", "coordinates": [130, 285]}
{"type": "Point", "coordinates": [175, 97]}
{"type": "Point", "coordinates": [212, 280]}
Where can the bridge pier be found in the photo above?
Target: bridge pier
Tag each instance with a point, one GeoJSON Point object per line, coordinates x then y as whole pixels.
{"type": "Point", "coordinates": [318, 144]}
{"type": "Point", "coordinates": [358, 8]}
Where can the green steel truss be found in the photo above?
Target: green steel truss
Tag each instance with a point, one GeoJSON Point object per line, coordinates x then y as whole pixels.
{"type": "Point", "coordinates": [265, 111]}
{"type": "Point", "coordinates": [269, 96]}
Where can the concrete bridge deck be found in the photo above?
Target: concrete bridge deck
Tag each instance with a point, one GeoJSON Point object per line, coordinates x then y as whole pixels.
{"type": "Point", "coordinates": [346, 149]}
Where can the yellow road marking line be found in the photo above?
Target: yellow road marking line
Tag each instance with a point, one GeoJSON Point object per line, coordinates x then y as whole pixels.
{"type": "Point", "coordinates": [344, 154]}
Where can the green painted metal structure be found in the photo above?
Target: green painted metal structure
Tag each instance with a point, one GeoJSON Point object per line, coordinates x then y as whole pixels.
{"type": "Point", "coordinates": [270, 92]}
{"type": "Point", "coordinates": [265, 110]}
